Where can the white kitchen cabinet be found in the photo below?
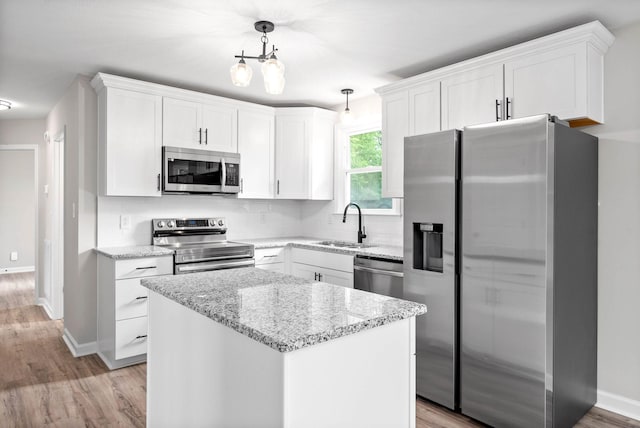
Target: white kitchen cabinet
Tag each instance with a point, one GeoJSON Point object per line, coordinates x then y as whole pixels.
{"type": "Point", "coordinates": [199, 125]}
{"type": "Point", "coordinates": [322, 266]}
{"type": "Point", "coordinates": [304, 153]}
{"type": "Point", "coordinates": [256, 145]}
{"type": "Point", "coordinates": [129, 141]}
{"type": "Point", "coordinates": [408, 112]}
{"type": "Point", "coordinates": [122, 307]}
{"type": "Point", "coordinates": [273, 259]}
{"type": "Point", "coordinates": [472, 97]}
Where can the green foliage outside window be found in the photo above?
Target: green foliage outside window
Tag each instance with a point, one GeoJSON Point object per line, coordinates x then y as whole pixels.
{"type": "Point", "coordinates": [366, 187]}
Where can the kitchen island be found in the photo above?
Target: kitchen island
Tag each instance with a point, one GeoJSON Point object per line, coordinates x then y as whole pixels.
{"type": "Point", "coordinates": [253, 348]}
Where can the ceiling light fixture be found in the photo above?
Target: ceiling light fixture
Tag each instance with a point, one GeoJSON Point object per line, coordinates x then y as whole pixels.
{"type": "Point", "coordinates": [272, 68]}
{"type": "Point", "coordinates": [346, 114]}
{"type": "Point", "coordinates": [5, 105]}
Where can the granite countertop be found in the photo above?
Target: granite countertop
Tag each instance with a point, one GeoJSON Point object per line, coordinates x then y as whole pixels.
{"type": "Point", "coordinates": [133, 252]}
{"type": "Point", "coordinates": [281, 311]}
{"type": "Point", "coordinates": [382, 251]}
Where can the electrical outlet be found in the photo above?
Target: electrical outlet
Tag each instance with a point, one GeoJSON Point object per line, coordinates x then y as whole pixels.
{"type": "Point", "coordinates": [14, 256]}
{"type": "Point", "coordinates": [125, 222]}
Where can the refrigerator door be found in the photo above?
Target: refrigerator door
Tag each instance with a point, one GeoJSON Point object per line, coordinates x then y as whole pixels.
{"type": "Point", "coordinates": [503, 277]}
{"type": "Point", "coordinates": [430, 222]}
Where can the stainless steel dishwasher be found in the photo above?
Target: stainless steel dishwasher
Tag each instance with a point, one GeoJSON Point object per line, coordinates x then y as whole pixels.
{"type": "Point", "coordinates": [378, 275]}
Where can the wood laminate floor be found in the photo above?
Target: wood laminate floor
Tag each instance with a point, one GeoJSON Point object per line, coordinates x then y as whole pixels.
{"type": "Point", "coordinates": [43, 385]}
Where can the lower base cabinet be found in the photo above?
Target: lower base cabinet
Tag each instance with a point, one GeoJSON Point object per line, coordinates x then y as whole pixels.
{"type": "Point", "coordinates": [122, 307]}
{"type": "Point", "coordinates": [273, 259]}
{"type": "Point", "coordinates": [322, 266]}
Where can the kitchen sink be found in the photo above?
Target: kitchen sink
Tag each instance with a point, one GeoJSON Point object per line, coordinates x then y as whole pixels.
{"type": "Point", "coordinates": [343, 244]}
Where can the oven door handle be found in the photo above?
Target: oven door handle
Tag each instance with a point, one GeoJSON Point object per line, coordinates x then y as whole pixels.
{"type": "Point", "coordinates": [223, 183]}
{"type": "Point", "coordinates": [198, 267]}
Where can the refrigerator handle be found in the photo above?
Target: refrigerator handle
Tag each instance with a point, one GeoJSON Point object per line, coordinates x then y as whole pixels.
{"type": "Point", "coordinates": [498, 115]}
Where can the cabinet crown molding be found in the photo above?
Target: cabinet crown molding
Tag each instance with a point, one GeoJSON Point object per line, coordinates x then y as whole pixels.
{"type": "Point", "coordinates": [593, 33]}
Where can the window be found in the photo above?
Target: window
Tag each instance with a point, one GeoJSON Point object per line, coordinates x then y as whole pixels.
{"type": "Point", "coordinates": [363, 171]}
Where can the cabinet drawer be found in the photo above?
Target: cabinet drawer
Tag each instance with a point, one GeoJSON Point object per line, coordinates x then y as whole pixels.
{"type": "Point", "coordinates": [131, 337]}
{"type": "Point", "coordinates": [342, 262]}
{"type": "Point", "coordinates": [147, 266]}
{"type": "Point", "coordinates": [131, 299]}
{"type": "Point", "coordinates": [269, 255]}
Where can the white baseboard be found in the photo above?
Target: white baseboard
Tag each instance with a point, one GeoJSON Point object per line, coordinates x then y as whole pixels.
{"type": "Point", "coordinates": [45, 305]}
{"type": "Point", "coordinates": [618, 404]}
{"type": "Point", "coordinates": [78, 350]}
{"type": "Point", "coordinates": [17, 269]}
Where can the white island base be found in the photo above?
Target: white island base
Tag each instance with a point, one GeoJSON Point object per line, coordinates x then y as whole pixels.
{"type": "Point", "coordinates": [202, 373]}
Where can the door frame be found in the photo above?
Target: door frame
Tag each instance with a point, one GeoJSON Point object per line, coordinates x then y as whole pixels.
{"type": "Point", "coordinates": [57, 224]}
{"type": "Point", "coordinates": [36, 175]}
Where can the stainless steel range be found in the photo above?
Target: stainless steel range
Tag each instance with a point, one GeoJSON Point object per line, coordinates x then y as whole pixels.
{"type": "Point", "coordinates": [200, 244]}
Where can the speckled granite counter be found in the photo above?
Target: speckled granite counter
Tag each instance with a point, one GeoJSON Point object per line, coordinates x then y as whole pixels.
{"type": "Point", "coordinates": [382, 251]}
{"type": "Point", "coordinates": [281, 311]}
{"type": "Point", "coordinates": [133, 252]}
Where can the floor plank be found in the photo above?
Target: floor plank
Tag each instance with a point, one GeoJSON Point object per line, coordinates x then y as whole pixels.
{"type": "Point", "coordinates": [42, 385]}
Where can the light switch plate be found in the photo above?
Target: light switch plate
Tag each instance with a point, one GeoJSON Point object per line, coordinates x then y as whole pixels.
{"type": "Point", "coordinates": [125, 222]}
{"type": "Point", "coordinates": [14, 256]}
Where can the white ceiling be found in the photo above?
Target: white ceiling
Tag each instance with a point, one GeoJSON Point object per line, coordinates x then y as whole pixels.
{"type": "Point", "coordinates": [326, 45]}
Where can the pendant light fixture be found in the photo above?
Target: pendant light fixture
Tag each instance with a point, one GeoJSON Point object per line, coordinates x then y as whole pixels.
{"type": "Point", "coordinates": [347, 117]}
{"type": "Point", "coordinates": [5, 105]}
{"type": "Point", "coordinates": [272, 68]}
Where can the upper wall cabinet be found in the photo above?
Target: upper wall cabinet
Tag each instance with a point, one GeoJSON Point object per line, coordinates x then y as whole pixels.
{"type": "Point", "coordinates": [129, 141]}
{"type": "Point", "coordinates": [561, 74]}
{"type": "Point", "coordinates": [304, 153]}
{"type": "Point", "coordinates": [196, 125]}
{"type": "Point", "coordinates": [256, 145]}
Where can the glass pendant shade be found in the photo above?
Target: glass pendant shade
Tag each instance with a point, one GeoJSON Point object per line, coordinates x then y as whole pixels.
{"type": "Point", "coordinates": [274, 86]}
{"type": "Point", "coordinates": [272, 68]}
{"type": "Point", "coordinates": [347, 116]}
{"type": "Point", "coordinates": [241, 74]}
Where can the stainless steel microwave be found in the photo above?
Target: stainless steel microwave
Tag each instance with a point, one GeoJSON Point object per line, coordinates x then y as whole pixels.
{"type": "Point", "coordinates": [199, 171]}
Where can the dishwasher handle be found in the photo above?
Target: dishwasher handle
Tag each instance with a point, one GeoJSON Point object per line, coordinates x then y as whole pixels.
{"type": "Point", "coordinates": [379, 271]}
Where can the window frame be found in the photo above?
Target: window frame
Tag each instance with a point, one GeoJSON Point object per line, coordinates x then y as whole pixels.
{"type": "Point", "coordinates": [343, 170]}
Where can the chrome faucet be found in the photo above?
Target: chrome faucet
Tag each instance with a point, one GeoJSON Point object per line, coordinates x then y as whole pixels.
{"type": "Point", "coordinates": [361, 234]}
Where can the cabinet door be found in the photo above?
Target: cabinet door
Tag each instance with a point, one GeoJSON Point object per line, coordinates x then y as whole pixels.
{"type": "Point", "coordinates": [321, 160]}
{"type": "Point", "coordinates": [257, 153]}
{"type": "Point", "coordinates": [336, 277]}
{"type": "Point", "coordinates": [304, 271]}
{"type": "Point", "coordinates": [219, 128]}
{"type": "Point", "coordinates": [552, 82]}
{"type": "Point", "coordinates": [292, 178]}
{"type": "Point", "coordinates": [132, 146]}
{"type": "Point", "coordinates": [424, 109]}
{"type": "Point", "coordinates": [181, 124]}
{"type": "Point", "coordinates": [395, 126]}
{"type": "Point", "coordinates": [470, 98]}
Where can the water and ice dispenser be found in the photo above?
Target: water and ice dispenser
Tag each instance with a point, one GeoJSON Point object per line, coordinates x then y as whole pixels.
{"type": "Point", "coordinates": [427, 246]}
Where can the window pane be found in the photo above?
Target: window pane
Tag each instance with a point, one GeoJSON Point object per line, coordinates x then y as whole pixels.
{"type": "Point", "coordinates": [366, 191]}
{"type": "Point", "coordinates": [366, 149]}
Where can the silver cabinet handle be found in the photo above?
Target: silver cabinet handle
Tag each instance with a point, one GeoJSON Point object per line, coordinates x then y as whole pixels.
{"type": "Point", "coordinates": [142, 297]}
{"type": "Point", "coordinates": [200, 136]}
{"type": "Point", "coordinates": [206, 136]}
{"type": "Point", "coordinates": [277, 187]}
{"type": "Point", "coordinates": [158, 182]}
{"type": "Point", "coordinates": [142, 336]}
{"type": "Point", "coordinates": [268, 256]}
{"type": "Point", "coordinates": [241, 185]}
{"type": "Point", "coordinates": [498, 117]}
{"type": "Point", "coordinates": [146, 267]}
{"type": "Point", "coordinates": [380, 271]}
{"type": "Point", "coordinates": [508, 115]}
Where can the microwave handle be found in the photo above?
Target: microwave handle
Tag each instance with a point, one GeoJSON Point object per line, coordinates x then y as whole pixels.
{"type": "Point", "coordinates": [224, 173]}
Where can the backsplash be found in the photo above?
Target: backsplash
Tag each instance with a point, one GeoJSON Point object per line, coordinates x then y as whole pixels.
{"type": "Point", "coordinates": [245, 218]}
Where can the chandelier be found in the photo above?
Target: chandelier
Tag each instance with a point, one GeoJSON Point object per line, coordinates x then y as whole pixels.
{"type": "Point", "coordinates": [272, 68]}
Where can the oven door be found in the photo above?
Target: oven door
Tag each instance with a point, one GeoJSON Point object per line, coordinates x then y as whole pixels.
{"type": "Point", "coordinates": [192, 171]}
{"type": "Point", "coordinates": [212, 265]}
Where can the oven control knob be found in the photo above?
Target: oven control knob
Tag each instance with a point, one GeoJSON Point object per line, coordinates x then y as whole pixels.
{"type": "Point", "coordinates": [221, 222]}
{"type": "Point", "coordinates": [160, 224]}
{"type": "Point", "coordinates": [212, 222]}
{"type": "Point", "coordinates": [170, 223]}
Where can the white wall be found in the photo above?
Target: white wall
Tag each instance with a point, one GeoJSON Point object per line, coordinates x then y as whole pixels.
{"type": "Point", "coordinates": [619, 220]}
{"type": "Point", "coordinates": [76, 113]}
{"type": "Point", "coordinates": [324, 219]}
{"type": "Point", "coordinates": [17, 209]}
{"type": "Point", "coordinates": [245, 219]}
{"type": "Point", "coordinates": [29, 132]}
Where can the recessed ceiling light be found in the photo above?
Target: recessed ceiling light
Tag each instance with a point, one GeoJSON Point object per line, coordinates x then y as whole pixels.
{"type": "Point", "coordinates": [5, 105]}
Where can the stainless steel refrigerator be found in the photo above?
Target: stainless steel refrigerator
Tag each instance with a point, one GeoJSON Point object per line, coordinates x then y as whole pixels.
{"type": "Point", "coordinates": [500, 243]}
